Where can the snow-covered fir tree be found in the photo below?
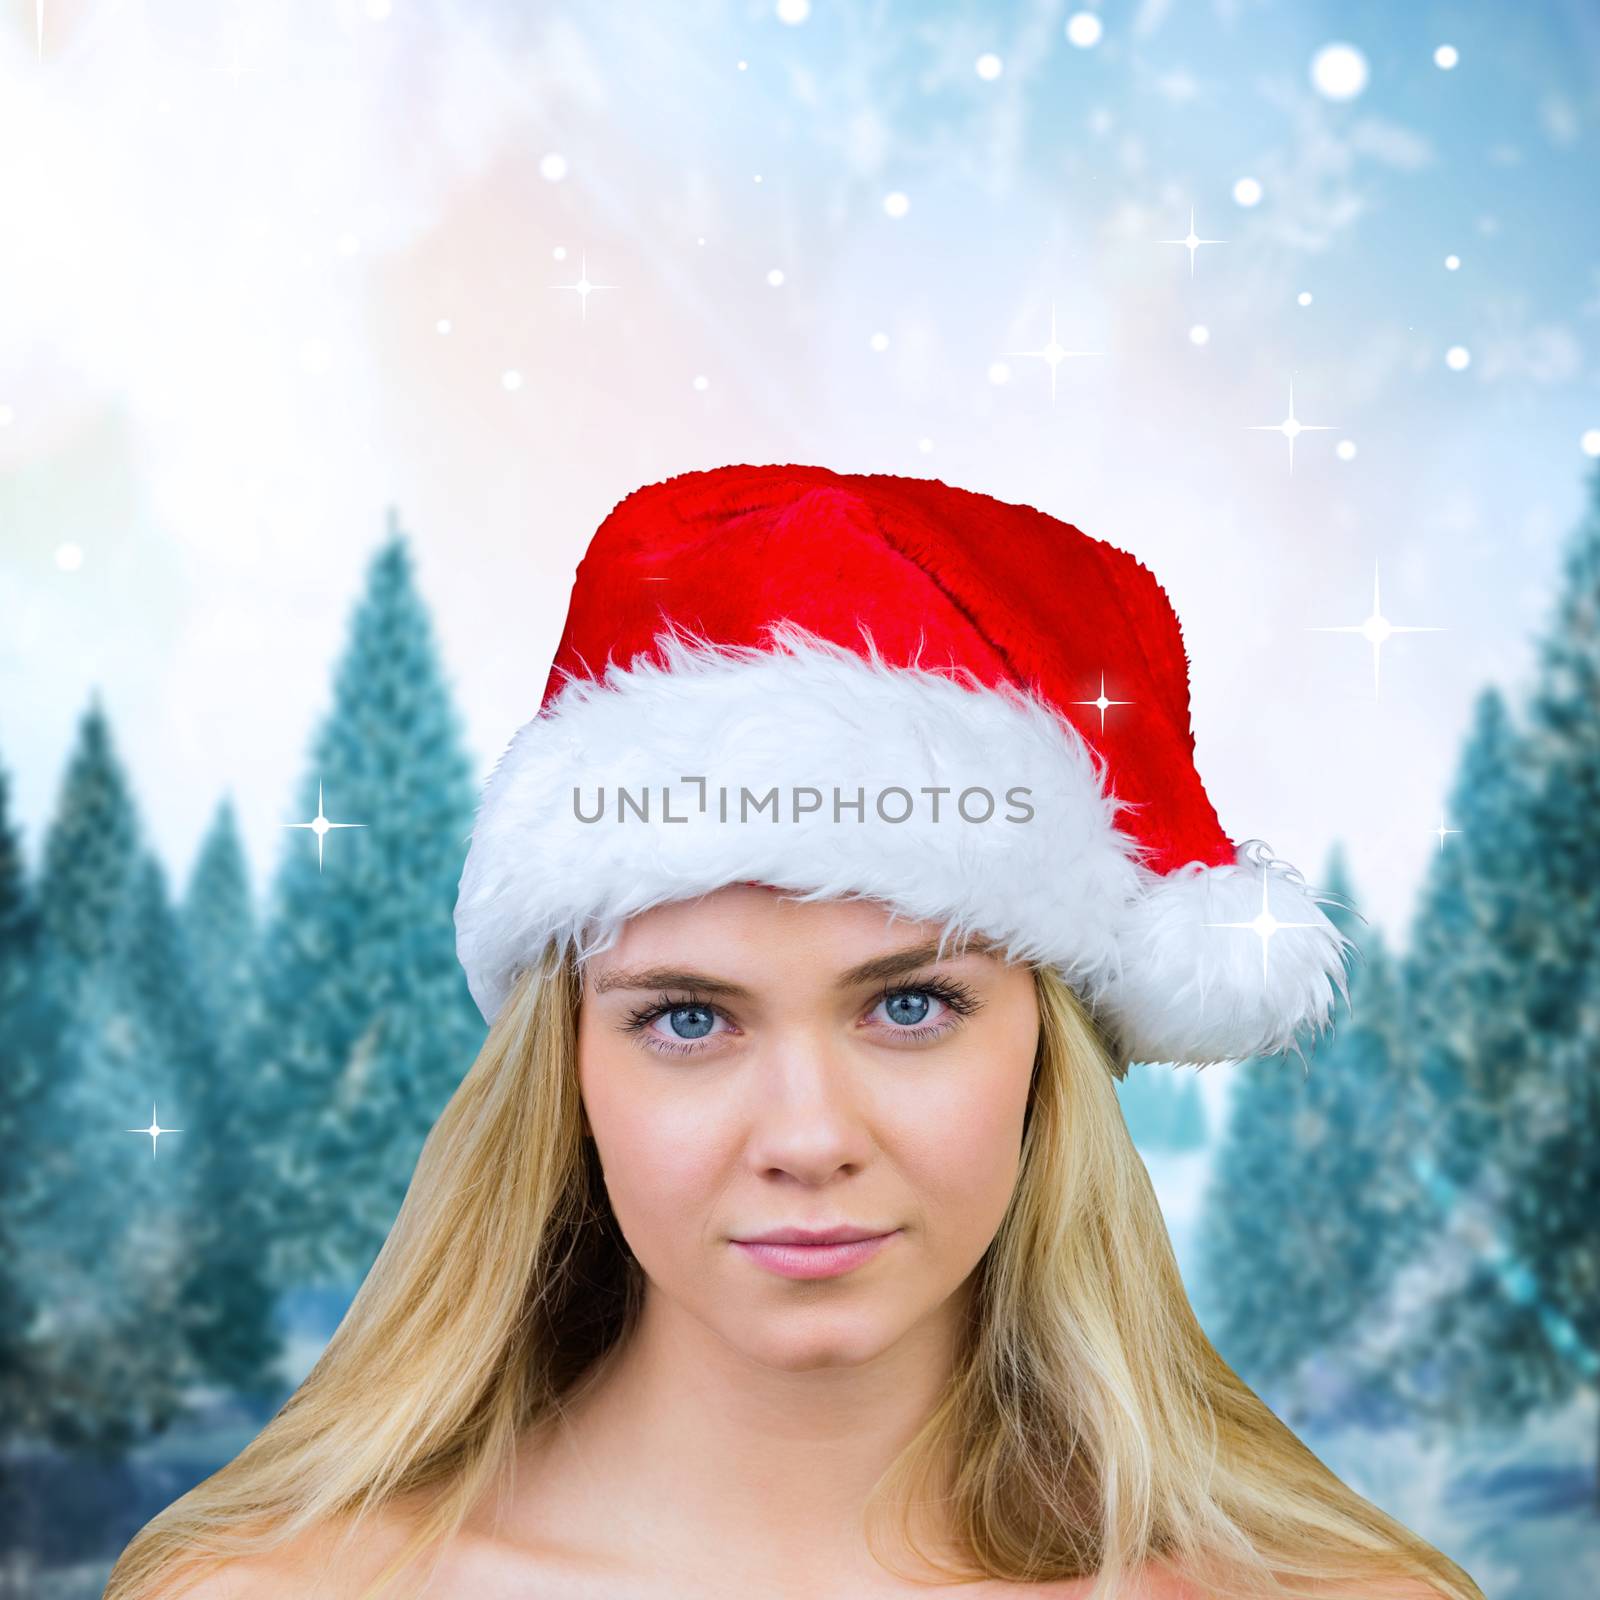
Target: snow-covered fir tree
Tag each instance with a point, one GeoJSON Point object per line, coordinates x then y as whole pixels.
{"type": "Point", "coordinates": [110, 1240]}
{"type": "Point", "coordinates": [367, 1025]}
{"type": "Point", "coordinates": [1502, 1307]}
{"type": "Point", "coordinates": [1551, 1207]}
{"type": "Point", "coordinates": [1471, 949]}
{"type": "Point", "coordinates": [30, 1074]}
{"type": "Point", "coordinates": [228, 1294]}
{"type": "Point", "coordinates": [1468, 1347]}
{"type": "Point", "coordinates": [1296, 1228]}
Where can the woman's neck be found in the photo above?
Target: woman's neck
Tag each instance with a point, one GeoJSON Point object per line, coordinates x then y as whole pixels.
{"type": "Point", "coordinates": [683, 1446]}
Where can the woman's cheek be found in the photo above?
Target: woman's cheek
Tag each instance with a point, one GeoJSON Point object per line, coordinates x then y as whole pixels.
{"type": "Point", "coordinates": [954, 1153]}
{"type": "Point", "coordinates": [664, 1163]}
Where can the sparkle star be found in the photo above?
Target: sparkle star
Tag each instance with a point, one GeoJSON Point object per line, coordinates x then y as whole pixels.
{"type": "Point", "coordinates": [1378, 628]}
{"type": "Point", "coordinates": [233, 68]}
{"type": "Point", "coordinates": [155, 1130]}
{"type": "Point", "coordinates": [320, 825]}
{"type": "Point", "coordinates": [1441, 830]}
{"type": "Point", "coordinates": [1102, 703]}
{"type": "Point", "coordinates": [1263, 925]}
{"type": "Point", "coordinates": [1192, 241]}
{"type": "Point", "coordinates": [1291, 427]}
{"type": "Point", "coordinates": [1053, 354]}
{"type": "Point", "coordinates": [583, 287]}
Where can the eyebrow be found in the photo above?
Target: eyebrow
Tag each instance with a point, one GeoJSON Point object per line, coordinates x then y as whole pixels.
{"type": "Point", "coordinates": [879, 967]}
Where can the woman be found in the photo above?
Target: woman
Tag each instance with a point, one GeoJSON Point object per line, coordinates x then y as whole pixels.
{"type": "Point", "coordinates": [576, 1368]}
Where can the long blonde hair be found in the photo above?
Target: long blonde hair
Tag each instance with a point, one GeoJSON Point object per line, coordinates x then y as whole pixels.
{"type": "Point", "coordinates": [1092, 1425]}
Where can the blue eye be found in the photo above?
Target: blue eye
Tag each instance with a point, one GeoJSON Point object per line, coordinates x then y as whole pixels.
{"type": "Point", "coordinates": [906, 1005]}
{"type": "Point", "coordinates": [698, 1024]}
{"type": "Point", "coordinates": [909, 1007]}
{"type": "Point", "coordinates": [689, 1020]}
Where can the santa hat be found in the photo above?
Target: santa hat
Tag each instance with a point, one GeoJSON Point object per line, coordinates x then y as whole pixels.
{"type": "Point", "coordinates": [871, 686]}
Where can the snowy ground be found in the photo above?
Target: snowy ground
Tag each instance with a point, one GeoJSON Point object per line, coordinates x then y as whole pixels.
{"type": "Point", "coordinates": [1517, 1511]}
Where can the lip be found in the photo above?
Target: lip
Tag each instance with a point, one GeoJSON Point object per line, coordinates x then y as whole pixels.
{"type": "Point", "coordinates": [842, 1234]}
{"type": "Point", "coordinates": [814, 1260]}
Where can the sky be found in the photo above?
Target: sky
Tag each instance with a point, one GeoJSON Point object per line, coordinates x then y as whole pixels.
{"type": "Point", "coordinates": [270, 272]}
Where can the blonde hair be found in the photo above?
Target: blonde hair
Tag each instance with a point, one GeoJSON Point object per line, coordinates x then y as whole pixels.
{"type": "Point", "coordinates": [1092, 1426]}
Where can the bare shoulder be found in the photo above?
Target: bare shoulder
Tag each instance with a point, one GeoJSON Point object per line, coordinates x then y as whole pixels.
{"type": "Point", "coordinates": [237, 1580]}
{"type": "Point", "coordinates": [328, 1561]}
{"type": "Point", "coordinates": [1161, 1581]}
{"type": "Point", "coordinates": [1151, 1581]}
{"type": "Point", "coordinates": [1397, 1588]}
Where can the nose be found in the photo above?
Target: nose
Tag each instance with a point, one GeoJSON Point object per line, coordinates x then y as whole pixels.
{"type": "Point", "coordinates": [811, 1109]}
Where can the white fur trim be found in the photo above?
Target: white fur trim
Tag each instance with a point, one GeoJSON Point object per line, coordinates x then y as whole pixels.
{"type": "Point", "coordinates": [1066, 887]}
{"type": "Point", "coordinates": [1193, 992]}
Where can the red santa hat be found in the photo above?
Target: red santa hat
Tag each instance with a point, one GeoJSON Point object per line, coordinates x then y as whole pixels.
{"type": "Point", "coordinates": [851, 685]}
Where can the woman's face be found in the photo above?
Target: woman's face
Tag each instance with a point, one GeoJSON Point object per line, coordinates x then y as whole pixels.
{"type": "Point", "coordinates": [749, 1063]}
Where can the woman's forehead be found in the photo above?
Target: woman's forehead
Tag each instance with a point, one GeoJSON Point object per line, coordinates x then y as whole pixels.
{"type": "Point", "coordinates": [752, 934]}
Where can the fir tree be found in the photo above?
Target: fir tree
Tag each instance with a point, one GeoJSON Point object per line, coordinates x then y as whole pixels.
{"type": "Point", "coordinates": [368, 1025]}
{"type": "Point", "coordinates": [228, 1298]}
{"type": "Point", "coordinates": [109, 1237]}
{"type": "Point", "coordinates": [30, 1067]}
{"type": "Point", "coordinates": [1551, 1211]}
{"type": "Point", "coordinates": [1563, 737]}
{"type": "Point", "coordinates": [1377, 1211]}
{"type": "Point", "coordinates": [1468, 1349]}
{"type": "Point", "coordinates": [1247, 1243]}
{"type": "Point", "coordinates": [1504, 1302]}
{"type": "Point", "coordinates": [159, 1221]}
{"type": "Point", "coordinates": [1471, 948]}
{"type": "Point", "coordinates": [219, 924]}
{"type": "Point", "coordinates": [1551, 1207]}
{"type": "Point", "coordinates": [90, 849]}
{"type": "Point", "coordinates": [1297, 1217]}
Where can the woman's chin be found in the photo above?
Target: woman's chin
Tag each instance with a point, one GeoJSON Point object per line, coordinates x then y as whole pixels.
{"type": "Point", "coordinates": [800, 1339]}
